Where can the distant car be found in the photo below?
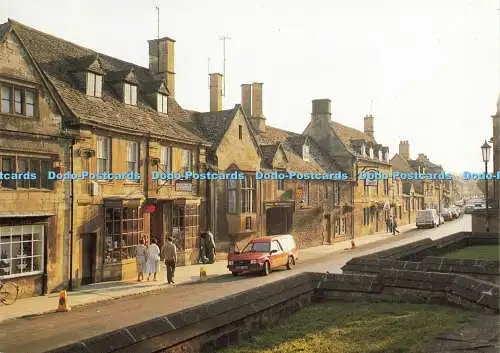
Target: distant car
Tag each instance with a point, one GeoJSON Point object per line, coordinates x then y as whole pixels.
{"type": "Point", "coordinates": [427, 218]}
{"type": "Point", "coordinates": [264, 254]}
{"type": "Point", "coordinates": [468, 209]}
{"type": "Point", "coordinates": [455, 211]}
{"type": "Point", "coordinates": [447, 214]}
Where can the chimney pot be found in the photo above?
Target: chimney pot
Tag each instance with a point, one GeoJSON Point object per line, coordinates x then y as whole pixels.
{"type": "Point", "coordinates": [161, 61]}
{"type": "Point", "coordinates": [368, 125]}
{"type": "Point", "coordinates": [258, 119]}
{"type": "Point", "coordinates": [215, 92]}
{"type": "Point", "coordinates": [321, 110]}
{"type": "Point", "coordinates": [246, 99]}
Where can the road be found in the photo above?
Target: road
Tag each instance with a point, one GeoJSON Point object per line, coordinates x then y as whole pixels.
{"type": "Point", "coordinates": [42, 333]}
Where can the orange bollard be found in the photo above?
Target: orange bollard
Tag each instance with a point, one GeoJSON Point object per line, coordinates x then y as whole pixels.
{"type": "Point", "coordinates": [63, 302]}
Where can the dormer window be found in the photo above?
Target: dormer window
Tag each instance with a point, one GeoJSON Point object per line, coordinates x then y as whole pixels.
{"type": "Point", "coordinates": [363, 150]}
{"type": "Point", "coordinates": [371, 152]}
{"type": "Point", "coordinates": [130, 94]}
{"type": "Point", "coordinates": [305, 153]}
{"type": "Point", "coordinates": [162, 103]}
{"type": "Point", "coordinates": [94, 84]}
{"type": "Point", "coordinates": [379, 155]}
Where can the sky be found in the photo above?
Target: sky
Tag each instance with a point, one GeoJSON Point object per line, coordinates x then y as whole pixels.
{"type": "Point", "coordinates": [428, 70]}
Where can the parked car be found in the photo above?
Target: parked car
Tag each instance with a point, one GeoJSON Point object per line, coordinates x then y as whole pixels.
{"type": "Point", "coordinates": [427, 218]}
{"type": "Point", "coordinates": [264, 255]}
{"type": "Point", "coordinates": [447, 214]}
{"type": "Point", "coordinates": [455, 211]}
{"type": "Point", "coordinates": [469, 209]}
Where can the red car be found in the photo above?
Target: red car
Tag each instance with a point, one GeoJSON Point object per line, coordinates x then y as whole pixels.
{"type": "Point", "coordinates": [264, 254]}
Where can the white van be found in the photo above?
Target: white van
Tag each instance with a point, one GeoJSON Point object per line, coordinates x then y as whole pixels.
{"type": "Point", "coordinates": [427, 218]}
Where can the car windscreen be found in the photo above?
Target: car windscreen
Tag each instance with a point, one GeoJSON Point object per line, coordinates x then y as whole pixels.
{"type": "Point", "coordinates": [258, 247]}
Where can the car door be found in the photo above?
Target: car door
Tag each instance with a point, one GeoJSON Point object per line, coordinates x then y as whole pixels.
{"type": "Point", "coordinates": [276, 254]}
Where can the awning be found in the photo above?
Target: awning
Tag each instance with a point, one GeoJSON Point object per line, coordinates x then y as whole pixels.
{"type": "Point", "coordinates": [25, 214]}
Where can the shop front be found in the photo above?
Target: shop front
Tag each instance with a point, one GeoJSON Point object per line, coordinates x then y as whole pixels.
{"type": "Point", "coordinates": [124, 225]}
{"type": "Point", "coordinates": [24, 253]}
{"type": "Point", "coordinates": [179, 219]}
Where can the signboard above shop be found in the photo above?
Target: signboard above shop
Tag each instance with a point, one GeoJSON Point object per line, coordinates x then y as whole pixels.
{"type": "Point", "coordinates": [185, 186]}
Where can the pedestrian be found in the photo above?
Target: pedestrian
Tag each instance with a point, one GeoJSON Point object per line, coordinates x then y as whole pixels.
{"type": "Point", "coordinates": [394, 226]}
{"type": "Point", "coordinates": [210, 246]}
{"type": "Point", "coordinates": [388, 223]}
{"type": "Point", "coordinates": [153, 259]}
{"type": "Point", "coordinates": [169, 254]}
{"type": "Point", "coordinates": [140, 258]}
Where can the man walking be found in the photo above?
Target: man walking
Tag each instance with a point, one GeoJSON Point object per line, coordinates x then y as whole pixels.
{"type": "Point", "coordinates": [169, 253]}
{"type": "Point", "coordinates": [395, 226]}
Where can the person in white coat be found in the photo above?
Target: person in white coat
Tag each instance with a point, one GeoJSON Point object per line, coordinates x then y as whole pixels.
{"type": "Point", "coordinates": [153, 261]}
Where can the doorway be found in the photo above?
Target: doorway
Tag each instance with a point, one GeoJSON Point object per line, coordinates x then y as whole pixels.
{"type": "Point", "coordinates": [328, 229]}
{"type": "Point", "coordinates": [89, 258]}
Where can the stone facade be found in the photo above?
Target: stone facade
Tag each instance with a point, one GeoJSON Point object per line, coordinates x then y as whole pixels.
{"type": "Point", "coordinates": [356, 153]}
{"type": "Point", "coordinates": [31, 140]}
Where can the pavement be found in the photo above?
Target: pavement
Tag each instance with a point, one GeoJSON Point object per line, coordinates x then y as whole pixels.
{"type": "Point", "coordinates": [185, 274]}
{"type": "Point", "coordinates": [93, 312]}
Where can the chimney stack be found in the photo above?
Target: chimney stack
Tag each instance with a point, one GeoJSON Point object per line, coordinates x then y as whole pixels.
{"type": "Point", "coordinates": [369, 125]}
{"type": "Point", "coordinates": [246, 99]}
{"type": "Point", "coordinates": [161, 61]}
{"type": "Point", "coordinates": [404, 149]}
{"type": "Point", "coordinates": [215, 92]}
{"type": "Point", "coordinates": [321, 110]}
{"type": "Point", "coordinates": [258, 120]}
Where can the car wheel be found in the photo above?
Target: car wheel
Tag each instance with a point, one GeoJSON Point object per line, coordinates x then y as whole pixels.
{"type": "Point", "coordinates": [433, 225]}
{"type": "Point", "coordinates": [291, 263]}
{"type": "Point", "coordinates": [267, 268]}
{"type": "Point", "coordinates": [235, 273]}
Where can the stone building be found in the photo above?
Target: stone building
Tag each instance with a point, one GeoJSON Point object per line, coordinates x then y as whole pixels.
{"type": "Point", "coordinates": [242, 209]}
{"type": "Point", "coordinates": [356, 152]}
{"type": "Point", "coordinates": [33, 222]}
{"type": "Point", "coordinates": [437, 194]}
{"type": "Point", "coordinates": [479, 221]}
{"type": "Point", "coordinates": [125, 121]}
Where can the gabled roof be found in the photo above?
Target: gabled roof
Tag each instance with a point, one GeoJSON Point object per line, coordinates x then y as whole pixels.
{"type": "Point", "coordinates": [60, 60]}
{"type": "Point", "coordinates": [268, 153]}
{"type": "Point", "coordinates": [400, 164]}
{"type": "Point", "coordinates": [4, 27]}
{"type": "Point", "coordinates": [292, 143]}
{"type": "Point", "coordinates": [215, 124]}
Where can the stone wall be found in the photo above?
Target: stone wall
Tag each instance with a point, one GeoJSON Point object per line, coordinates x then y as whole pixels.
{"type": "Point", "coordinates": [424, 255]}
{"type": "Point", "coordinates": [393, 285]}
{"type": "Point", "coordinates": [207, 327]}
{"type": "Point", "coordinates": [308, 227]}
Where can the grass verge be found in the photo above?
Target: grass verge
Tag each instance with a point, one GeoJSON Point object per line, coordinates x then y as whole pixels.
{"type": "Point", "coordinates": [479, 252]}
{"type": "Point", "coordinates": [340, 327]}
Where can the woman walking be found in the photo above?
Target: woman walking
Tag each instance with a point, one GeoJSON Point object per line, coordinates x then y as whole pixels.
{"type": "Point", "coordinates": [153, 261]}
{"type": "Point", "coordinates": [140, 258]}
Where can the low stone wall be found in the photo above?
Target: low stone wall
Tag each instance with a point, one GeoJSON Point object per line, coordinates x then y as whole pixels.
{"type": "Point", "coordinates": [214, 325]}
{"type": "Point", "coordinates": [410, 287]}
{"type": "Point", "coordinates": [208, 327]}
{"type": "Point", "coordinates": [423, 255]}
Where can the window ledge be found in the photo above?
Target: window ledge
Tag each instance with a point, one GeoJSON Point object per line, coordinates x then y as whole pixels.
{"type": "Point", "coordinates": [17, 116]}
{"type": "Point", "coordinates": [27, 274]}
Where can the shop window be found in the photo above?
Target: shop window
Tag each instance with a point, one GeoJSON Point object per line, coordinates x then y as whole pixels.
{"type": "Point", "coordinates": [342, 225]}
{"type": "Point", "coordinates": [124, 229]}
{"type": "Point", "coordinates": [17, 100]}
{"type": "Point", "coordinates": [21, 250]}
{"type": "Point", "coordinates": [185, 226]}
{"type": "Point", "coordinates": [386, 187]}
{"type": "Point", "coordinates": [336, 193]}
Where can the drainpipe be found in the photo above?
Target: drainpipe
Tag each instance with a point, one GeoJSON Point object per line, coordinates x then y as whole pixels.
{"type": "Point", "coordinates": [71, 231]}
